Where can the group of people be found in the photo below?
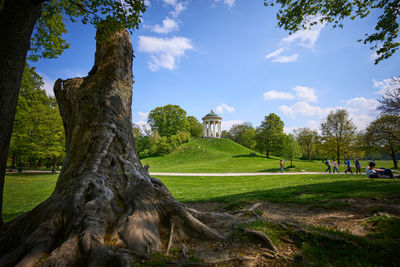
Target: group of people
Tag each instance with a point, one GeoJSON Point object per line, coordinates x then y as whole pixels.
{"type": "Point", "coordinates": [335, 166]}
{"type": "Point", "coordinates": [371, 171]}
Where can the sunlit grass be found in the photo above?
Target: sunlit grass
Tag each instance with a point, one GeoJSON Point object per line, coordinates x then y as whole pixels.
{"type": "Point", "coordinates": [222, 155]}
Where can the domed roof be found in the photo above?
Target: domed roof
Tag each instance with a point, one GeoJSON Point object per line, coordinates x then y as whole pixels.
{"type": "Point", "coordinates": [212, 114]}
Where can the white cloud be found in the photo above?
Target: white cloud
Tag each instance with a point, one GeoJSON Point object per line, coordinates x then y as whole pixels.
{"type": "Point", "coordinates": [286, 59]}
{"type": "Point", "coordinates": [362, 111]}
{"type": "Point", "coordinates": [305, 93]}
{"type": "Point", "coordinates": [48, 84]}
{"type": "Point", "coordinates": [304, 109]}
{"type": "Point", "coordinates": [306, 38]}
{"type": "Point", "coordinates": [384, 86]}
{"type": "Point", "coordinates": [228, 3]}
{"type": "Point", "coordinates": [178, 6]}
{"type": "Point", "coordinates": [169, 25]}
{"type": "Point", "coordinates": [289, 130]}
{"type": "Point", "coordinates": [147, 3]}
{"type": "Point", "coordinates": [143, 115]}
{"type": "Point", "coordinates": [224, 107]}
{"type": "Point", "coordinates": [143, 126]}
{"type": "Point", "coordinates": [275, 53]}
{"type": "Point", "coordinates": [313, 125]}
{"type": "Point", "coordinates": [164, 52]}
{"type": "Point", "coordinates": [270, 95]}
{"type": "Point", "coordinates": [226, 125]}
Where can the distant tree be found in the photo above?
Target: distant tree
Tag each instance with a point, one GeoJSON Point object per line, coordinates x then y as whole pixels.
{"type": "Point", "coordinates": [338, 133]}
{"type": "Point", "coordinates": [359, 147]}
{"type": "Point", "coordinates": [302, 14]}
{"type": "Point", "coordinates": [390, 102]}
{"type": "Point", "coordinates": [307, 140]}
{"type": "Point", "coordinates": [291, 149]}
{"type": "Point", "coordinates": [168, 120]}
{"type": "Point", "coordinates": [136, 131]}
{"type": "Point", "coordinates": [184, 136]}
{"type": "Point", "coordinates": [383, 134]}
{"type": "Point", "coordinates": [226, 134]}
{"type": "Point", "coordinates": [196, 128]}
{"type": "Point", "coordinates": [248, 138]}
{"type": "Point", "coordinates": [270, 134]}
{"type": "Point", "coordinates": [38, 129]}
{"type": "Point", "coordinates": [243, 134]}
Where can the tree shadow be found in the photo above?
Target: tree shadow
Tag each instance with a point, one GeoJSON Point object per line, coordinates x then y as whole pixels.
{"type": "Point", "coordinates": [248, 156]}
{"type": "Point", "coordinates": [318, 193]}
{"type": "Point", "coordinates": [272, 170]}
{"type": "Point", "coordinates": [10, 216]}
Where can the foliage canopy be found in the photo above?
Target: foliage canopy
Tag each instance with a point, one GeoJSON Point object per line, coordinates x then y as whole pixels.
{"type": "Point", "coordinates": [301, 14]}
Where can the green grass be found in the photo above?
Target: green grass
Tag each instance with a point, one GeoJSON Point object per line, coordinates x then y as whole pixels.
{"type": "Point", "coordinates": [25, 191]}
{"type": "Point", "coordinates": [223, 155]}
{"type": "Point", "coordinates": [303, 189]}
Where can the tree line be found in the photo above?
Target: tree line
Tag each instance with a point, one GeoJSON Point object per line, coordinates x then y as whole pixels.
{"type": "Point", "coordinates": [170, 127]}
{"type": "Point", "coordinates": [338, 137]}
{"type": "Point", "coordinates": [38, 134]}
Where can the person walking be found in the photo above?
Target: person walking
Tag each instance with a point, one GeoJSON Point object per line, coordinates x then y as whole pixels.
{"type": "Point", "coordinates": [348, 165]}
{"type": "Point", "coordinates": [335, 166]}
{"type": "Point", "coordinates": [281, 164]}
{"type": "Point", "coordinates": [147, 167]}
{"type": "Point", "coordinates": [328, 165]}
{"type": "Point", "coordinates": [358, 167]}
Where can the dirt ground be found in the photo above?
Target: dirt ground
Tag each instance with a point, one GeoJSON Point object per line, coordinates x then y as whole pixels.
{"type": "Point", "coordinates": [349, 217]}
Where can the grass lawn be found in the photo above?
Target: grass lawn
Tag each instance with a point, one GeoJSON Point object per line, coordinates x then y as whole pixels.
{"type": "Point", "coordinates": [223, 155]}
{"type": "Point", "coordinates": [23, 192]}
{"type": "Point", "coordinates": [302, 189]}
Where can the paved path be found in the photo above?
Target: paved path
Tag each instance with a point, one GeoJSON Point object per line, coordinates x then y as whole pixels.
{"type": "Point", "coordinates": [231, 174]}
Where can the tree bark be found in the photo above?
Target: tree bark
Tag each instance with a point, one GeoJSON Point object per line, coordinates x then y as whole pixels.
{"type": "Point", "coordinates": [17, 20]}
{"type": "Point", "coordinates": [393, 154]}
{"type": "Point", "coordinates": [105, 210]}
{"type": "Point", "coordinates": [54, 168]}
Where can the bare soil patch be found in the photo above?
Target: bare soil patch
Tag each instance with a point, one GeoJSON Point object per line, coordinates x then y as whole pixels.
{"type": "Point", "coordinates": [241, 250]}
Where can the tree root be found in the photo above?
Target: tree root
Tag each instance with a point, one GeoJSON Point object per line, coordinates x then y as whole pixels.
{"type": "Point", "coordinates": [261, 238]}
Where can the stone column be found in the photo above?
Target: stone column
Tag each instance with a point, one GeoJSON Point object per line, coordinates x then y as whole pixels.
{"type": "Point", "coordinates": [208, 129]}
{"type": "Point", "coordinates": [215, 128]}
{"type": "Point", "coordinates": [204, 128]}
{"type": "Point", "coordinates": [219, 129]}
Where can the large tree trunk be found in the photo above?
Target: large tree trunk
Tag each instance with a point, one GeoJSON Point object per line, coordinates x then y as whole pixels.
{"type": "Point", "coordinates": [17, 19]}
{"type": "Point", "coordinates": [105, 209]}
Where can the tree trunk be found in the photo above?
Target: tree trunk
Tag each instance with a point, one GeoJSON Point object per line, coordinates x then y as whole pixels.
{"type": "Point", "coordinates": [338, 154]}
{"type": "Point", "coordinates": [54, 168]}
{"type": "Point", "coordinates": [17, 19]}
{"type": "Point", "coordinates": [105, 210]}
{"type": "Point", "coordinates": [393, 154]}
{"type": "Point", "coordinates": [13, 161]}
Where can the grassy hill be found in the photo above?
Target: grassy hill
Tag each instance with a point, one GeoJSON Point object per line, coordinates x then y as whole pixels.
{"type": "Point", "coordinates": [218, 155]}
{"type": "Point", "coordinates": [223, 155]}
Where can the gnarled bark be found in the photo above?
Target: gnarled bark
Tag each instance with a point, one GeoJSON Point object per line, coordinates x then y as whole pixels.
{"type": "Point", "coordinates": [105, 210]}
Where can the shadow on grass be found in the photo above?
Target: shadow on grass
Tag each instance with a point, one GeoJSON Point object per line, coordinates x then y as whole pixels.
{"type": "Point", "coordinates": [10, 216]}
{"type": "Point", "coordinates": [285, 169]}
{"type": "Point", "coordinates": [317, 193]}
{"type": "Point", "coordinates": [249, 156]}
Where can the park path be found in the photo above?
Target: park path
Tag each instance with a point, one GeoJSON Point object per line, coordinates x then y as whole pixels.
{"type": "Point", "coordinates": [231, 173]}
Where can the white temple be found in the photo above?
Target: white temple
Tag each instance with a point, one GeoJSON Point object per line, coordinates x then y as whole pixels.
{"type": "Point", "coordinates": [210, 123]}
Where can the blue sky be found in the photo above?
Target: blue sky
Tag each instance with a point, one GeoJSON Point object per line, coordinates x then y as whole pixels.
{"type": "Point", "coordinates": [229, 55]}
